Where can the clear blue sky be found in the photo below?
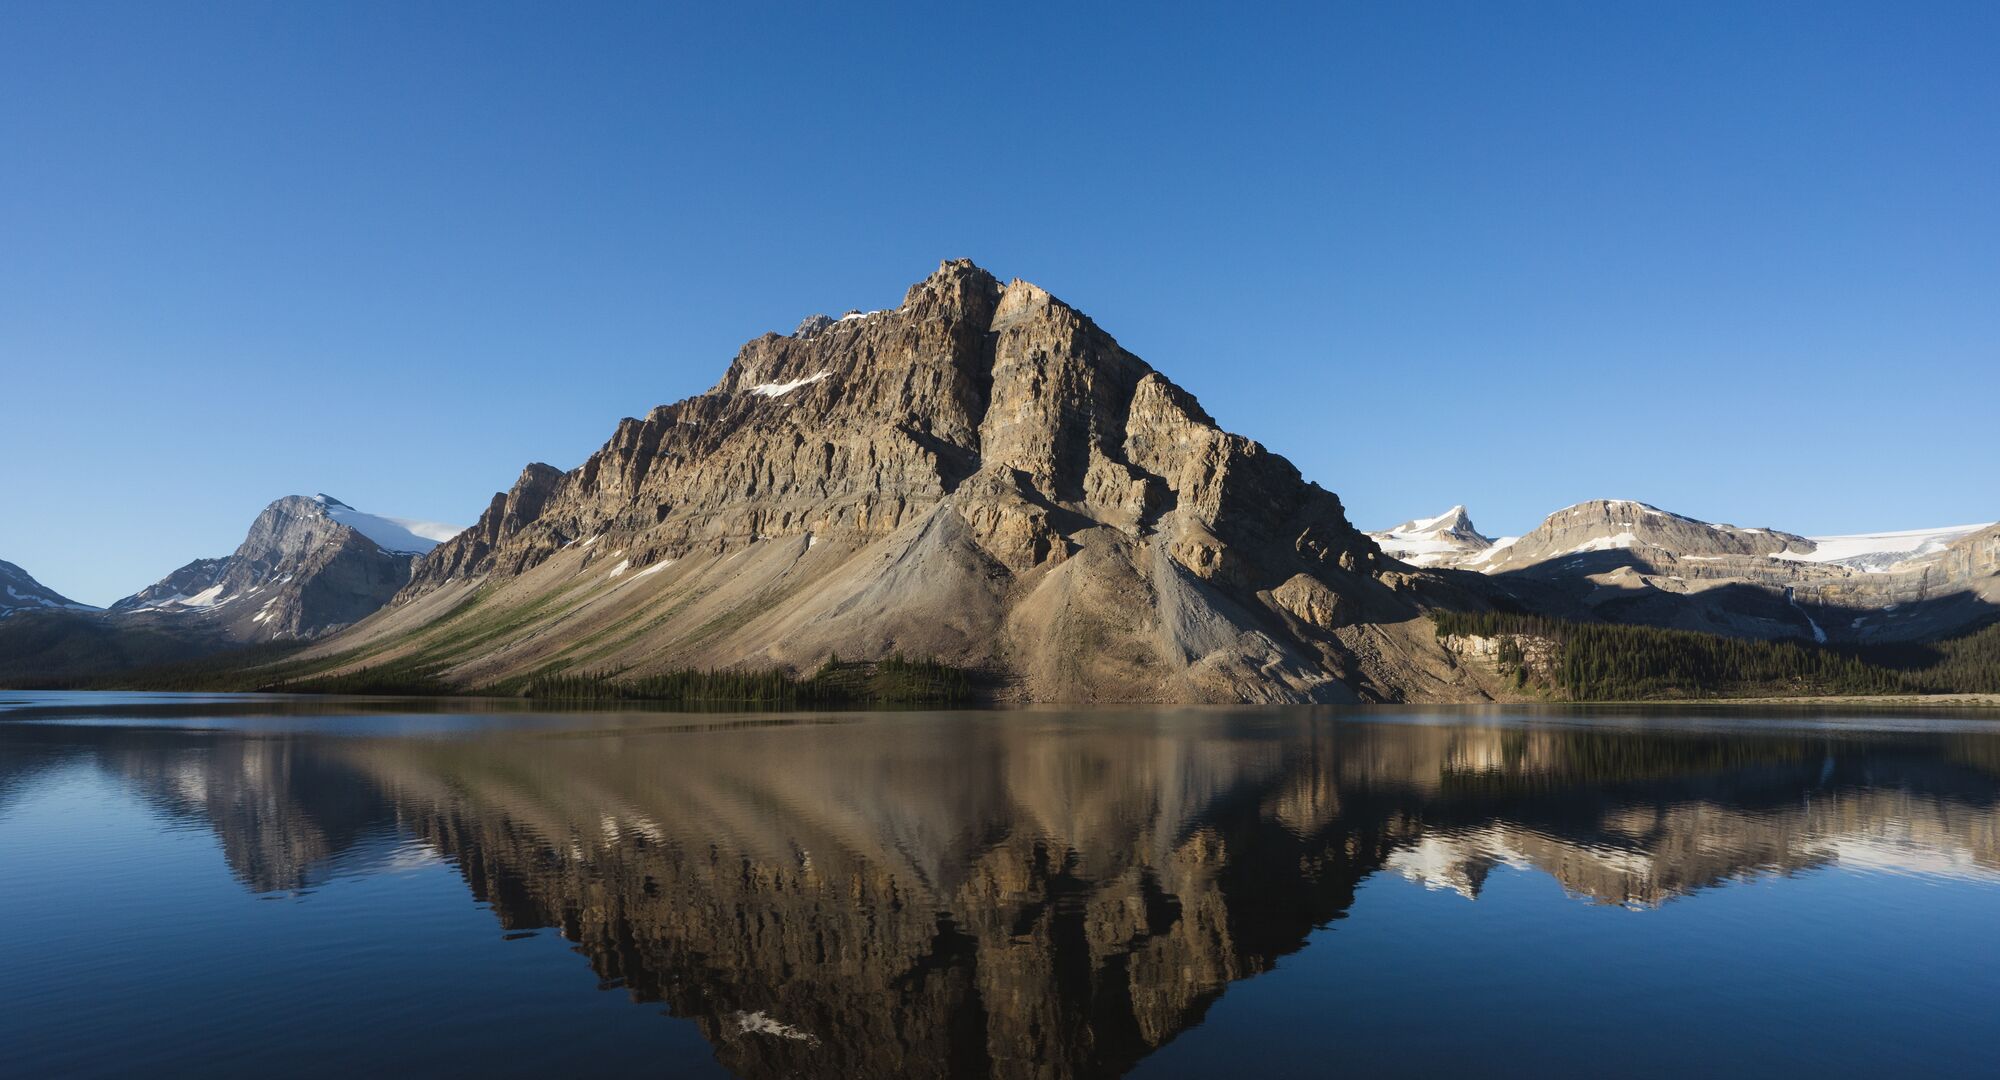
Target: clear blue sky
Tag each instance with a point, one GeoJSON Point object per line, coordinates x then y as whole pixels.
{"type": "Point", "coordinates": [1741, 261]}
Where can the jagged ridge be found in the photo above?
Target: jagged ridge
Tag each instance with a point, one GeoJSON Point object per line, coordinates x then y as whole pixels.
{"type": "Point", "coordinates": [982, 475]}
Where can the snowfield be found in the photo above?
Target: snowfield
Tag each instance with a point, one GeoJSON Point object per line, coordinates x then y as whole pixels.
{"type": "Point", "coordinates": [404, 536]}
{"type": "Point", "coordinates": [1877, 552]}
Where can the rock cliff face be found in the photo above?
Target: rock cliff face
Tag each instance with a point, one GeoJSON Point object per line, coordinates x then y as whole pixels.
{"type": "Point", "coordinates": [980, 474]}
{"type": "Point", "coordinates": [299, 573]}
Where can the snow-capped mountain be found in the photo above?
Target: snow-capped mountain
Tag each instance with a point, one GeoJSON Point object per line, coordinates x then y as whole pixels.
{"type": "Point", "coordinates": [307, 566]}
{"type": "Point", "coordinates": [19, 591]}
{"type": "Point", "coordinates": [1601, 525]}
{"type": "Point", "coordinates": [1628, 561]}
{"type": "Point", "coordinates": [1445, 540]}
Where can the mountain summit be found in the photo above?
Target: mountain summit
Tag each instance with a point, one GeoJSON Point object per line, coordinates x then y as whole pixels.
{"type": "Point", "coordinates": [980, 474]}
{"type": "Point", "coordinates": [1618, 560]}
{"type": "Point", "coordinates": [307, 565]}
{"type": "Point", "coordinates": [1445, 540]}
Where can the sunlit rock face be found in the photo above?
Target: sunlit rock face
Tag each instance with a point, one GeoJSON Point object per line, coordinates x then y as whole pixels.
{"type": "Point", "coordinates": [980, 474]}
{"type": "Point", "coordinates": [976, 895]}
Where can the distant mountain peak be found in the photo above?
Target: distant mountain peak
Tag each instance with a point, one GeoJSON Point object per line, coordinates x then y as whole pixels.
{"type": "Point", "coordinates": [19, 591]}
{"type": "Point", "coordinates": [308, 564]}
{"type": "Point", "coordinates": [1449, 539]}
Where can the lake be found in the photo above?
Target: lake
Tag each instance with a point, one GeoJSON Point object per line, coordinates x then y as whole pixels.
{"type": "Point", "coordinates": [237, 884]}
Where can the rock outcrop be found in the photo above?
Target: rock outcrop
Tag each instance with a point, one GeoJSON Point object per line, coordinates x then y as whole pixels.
{"type": "Point", "coordinates": [982, 475]}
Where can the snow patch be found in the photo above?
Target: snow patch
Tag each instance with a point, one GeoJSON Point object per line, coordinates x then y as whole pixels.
{"type": "Point", "coordinates": [1604, 543]}
{"type": "Point", "coordinates": [206, 598]}
{"type": "Point", "coordinates": [763, 1023]}
{"type": "Point", "coordinates": [403, 536]}
{"type": "Point", "coordinates": [1499, 546]}
{"type": "Point", "coordinates": [773, 390]}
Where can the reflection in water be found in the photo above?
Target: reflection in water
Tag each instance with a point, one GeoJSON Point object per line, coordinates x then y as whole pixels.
{"type": "Point", "coordinates": [1025, 894]}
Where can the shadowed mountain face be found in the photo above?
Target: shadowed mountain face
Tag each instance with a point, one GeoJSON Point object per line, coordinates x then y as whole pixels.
{"type": "Point", "coordinates": [992, 895]}
{"type": "Point", "coordinates": [19, 591]}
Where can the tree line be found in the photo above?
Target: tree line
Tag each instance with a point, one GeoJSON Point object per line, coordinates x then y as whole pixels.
{"type": "Point", "coordinates": [1620, 662]}
{"type": "Point", "coordinates": [896, 680]}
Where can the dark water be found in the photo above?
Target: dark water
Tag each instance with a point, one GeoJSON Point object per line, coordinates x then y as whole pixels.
{"type": "Point", "coordinates": [224, 887]}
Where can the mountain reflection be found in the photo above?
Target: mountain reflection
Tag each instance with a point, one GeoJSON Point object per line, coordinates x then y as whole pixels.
{"type": "Point", "coordinates": [1029, 894]}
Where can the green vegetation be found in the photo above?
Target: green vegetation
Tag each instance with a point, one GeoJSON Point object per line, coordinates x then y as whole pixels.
{"type": "Point", "coordinates": [1616, 662]}
{"type": "Point", "coordinates": [894, 681]}
{"type": "Point", "coordinates": [402, 677]}
{"type": "Point", "coordinates": [1957, 665]}
{"type": "Point", "coordinates": [238, 669]}
{"type": "Point", "coordinates": [62, 651]}
{"type": "Point", "coordinates": [267, 667]}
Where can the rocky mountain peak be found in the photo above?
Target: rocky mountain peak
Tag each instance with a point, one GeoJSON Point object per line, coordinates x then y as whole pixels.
{"type": "Point", "coordinates": [307, 565]}
{"type": "Point", "coordinates": [980, 474]}
{"type": "Point", "coordinates": [1447, 540]}
{"type": "Point", "coordinates": [958, 289]}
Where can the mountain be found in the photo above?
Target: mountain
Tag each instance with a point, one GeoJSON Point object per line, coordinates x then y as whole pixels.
{"type": "Point", "coordinates": [307, 566]}
{"type": "Point", "coordinates": [1622, 525]}
{"type": "Point", "coordinates": [1624, 561]}
{"type": "Point", "coordinates": [19, 591]}
{"type": "Point", "coordinates": [1445, 540]}
{"type": "Point", "coordinates": [981, 475]}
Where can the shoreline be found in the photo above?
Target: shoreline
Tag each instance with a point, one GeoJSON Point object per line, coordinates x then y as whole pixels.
{"type": "Point", "coordinates": [1931, 701]}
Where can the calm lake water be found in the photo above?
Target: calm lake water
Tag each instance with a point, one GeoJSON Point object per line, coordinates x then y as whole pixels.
{"type": "Point", "coordinates": [218, 886]}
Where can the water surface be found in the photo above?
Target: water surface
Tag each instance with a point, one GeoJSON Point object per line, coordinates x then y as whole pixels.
{"type": "Point", "coordinates": [240, 885]}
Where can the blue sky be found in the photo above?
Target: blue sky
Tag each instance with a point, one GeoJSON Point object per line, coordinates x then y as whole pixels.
{"type": "Point", "coordinates": [1740, 261]}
